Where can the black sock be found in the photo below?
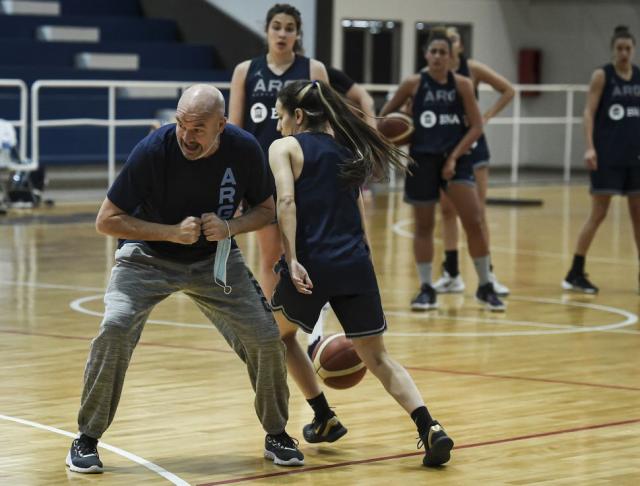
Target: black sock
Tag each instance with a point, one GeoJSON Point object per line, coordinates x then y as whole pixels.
{"type": "Point", "coordinates": [320, 407]}
{"type": "Point", "coordinates": [86, 438]}
{"type": "Point", "coordinates": [451, 262]}
{"type": "Point", "coordinates": [577, 267]}
{"type": "Point", "coordinates": [422, 420]}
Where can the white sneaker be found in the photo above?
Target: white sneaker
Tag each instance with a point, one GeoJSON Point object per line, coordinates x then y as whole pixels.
{"type": "Point", "coordinates": [501, 290]}
{"type": "Point", "coordinates": [448, 284]}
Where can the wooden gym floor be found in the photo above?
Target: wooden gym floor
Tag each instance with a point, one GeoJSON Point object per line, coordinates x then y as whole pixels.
{"type": "Point", "coordinates": [546, 393]}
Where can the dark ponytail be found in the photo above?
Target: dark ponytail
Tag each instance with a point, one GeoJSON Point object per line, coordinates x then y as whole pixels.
{"type": "Point", "coordinates": [622, 32]}
{"type": "Point", "coordinates": [373, 156]}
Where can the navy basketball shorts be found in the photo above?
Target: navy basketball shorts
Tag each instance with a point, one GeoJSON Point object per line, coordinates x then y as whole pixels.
{"type": "Point", "coordinates": [616, 180]}
{"type": "Point", "coordinates": [423, 185]}
{"type": "Point", "coordinates": [360, 315]}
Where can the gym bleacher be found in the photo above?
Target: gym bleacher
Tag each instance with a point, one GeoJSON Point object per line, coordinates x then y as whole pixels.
{"type": "Point", "coordinates": [94, 40]}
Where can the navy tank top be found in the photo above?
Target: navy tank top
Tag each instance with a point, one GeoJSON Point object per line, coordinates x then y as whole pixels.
{"type": "Point", "coordinates": [438, 116]}
{"type": "Point", "coordinates": [261, 90]}
{"type": "Point", "coordinates": [480, 148]}
{"type": "Point", "coordinates": [616, 130]}
{"type": "Point", "coordinates": [330, 240]}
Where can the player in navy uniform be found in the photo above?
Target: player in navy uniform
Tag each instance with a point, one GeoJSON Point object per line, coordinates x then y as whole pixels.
{"type": "Point", "coordinates": [362, 101]}
{"type": "Point", "coordinates": [326, 155]}
{"type": "Point", "coordinates": [451, 280]}
{"type": "Point", "coordinates": [447, 122]}
{"type": "Point", "coordinates": [612, 133]}
{"type": "Point", "coordinates": [254, 87]}
{"type": "Point", "coordinates": [172, 207]}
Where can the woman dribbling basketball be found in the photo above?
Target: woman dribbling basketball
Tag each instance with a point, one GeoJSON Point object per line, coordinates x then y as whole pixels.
{"type": "Point", "coordinates": [327, 153]}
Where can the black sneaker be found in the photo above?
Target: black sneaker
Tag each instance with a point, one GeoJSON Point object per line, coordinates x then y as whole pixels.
{"type": "Point", "coordinates": [283, 450]}
{"type": "Point", "coordinates": [426, 299]}
{"type": "Point", "coordinates": [579, 283]}
{"type": "Point", "coordinates": [487, 296]}
{"type": "Point", "coordinates": [327, 430]}
{"type": "Point", "coordinates": [437, 444]}
{"type": "Point", "coordinates": [83, 456]}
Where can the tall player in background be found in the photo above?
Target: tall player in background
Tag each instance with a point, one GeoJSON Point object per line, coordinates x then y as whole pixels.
{"type": "Point", "coordinates": [612, 133]}
{"type": "Point", "coordinates": [451, 281]}
{"type": "Point", "coordinates": [447, 122]}
{"type": "Point", "coordinates": [254, 87]}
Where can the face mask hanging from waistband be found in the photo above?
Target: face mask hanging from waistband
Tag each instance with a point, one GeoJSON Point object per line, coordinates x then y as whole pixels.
{"type": "Point", "coordinates": [220, 265]}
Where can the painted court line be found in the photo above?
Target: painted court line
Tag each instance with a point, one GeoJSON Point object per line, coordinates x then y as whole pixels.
{"type": "Point", "coordinates": [141, 343]}
{"type": "Point", "coordinates": [415, 368]}
{"type": "Point", "coordinates": [630, 318]}
{"type": "Point", "coordinates": [116, 450]}
{"type": "Point", "coordinates": [410, 454]}
{"type": "Point", "coordinates": [543, 328]}
{"type": "Point", "coordinates": [524, 378]}
{"type": "Point", "coordinates": [77, 305]}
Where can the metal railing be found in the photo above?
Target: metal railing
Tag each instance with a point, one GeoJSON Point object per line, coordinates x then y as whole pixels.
{"type": "Point", "coordinates": [111, 122]}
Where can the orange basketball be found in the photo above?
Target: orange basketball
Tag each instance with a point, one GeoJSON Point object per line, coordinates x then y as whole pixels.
{"type": "Point", "coordinates": [337, 363]}
{"type": "Point", "coordinates": [397, 127]}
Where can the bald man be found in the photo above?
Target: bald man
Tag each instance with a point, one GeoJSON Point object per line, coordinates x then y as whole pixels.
{"type": "Point", "coordinates": [172, 208]}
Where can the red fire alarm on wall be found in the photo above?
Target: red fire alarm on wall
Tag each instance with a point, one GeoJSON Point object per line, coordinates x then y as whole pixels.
{"type": "Point", "coordinates": [529, 66]}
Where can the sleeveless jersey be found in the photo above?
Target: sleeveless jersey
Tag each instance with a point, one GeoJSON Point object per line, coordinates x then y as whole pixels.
{"type": "Point", "coordinates": [329, 236]}
{"type": "Point", "coordinates": [438, 116]}
{"type": "Point", "coordinates": [616, 129]}
{"type": "Point", "coordinates": [261, 90]}
{"type": "Point", "coordinates": [480, 148]}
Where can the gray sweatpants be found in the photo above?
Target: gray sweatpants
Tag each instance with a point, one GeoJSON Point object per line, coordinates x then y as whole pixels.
{"type": "Point", "coordinates": [139, 281]}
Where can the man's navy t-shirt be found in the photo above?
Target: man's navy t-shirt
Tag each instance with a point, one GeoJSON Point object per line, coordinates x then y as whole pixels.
{"type": "Point", "coordinates": [158, 184]}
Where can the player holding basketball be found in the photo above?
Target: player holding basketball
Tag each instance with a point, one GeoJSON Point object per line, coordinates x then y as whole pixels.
{"type": "Point", "coordinates": [612, 132]}
{"type": "Point", "coordinates": [254, 86]}
{"type": "Point", "coordinates": [172, 207]}
{"type": "Point", "coordinates": [451, 280]}
{"type": "Point", "coordinates": [447, 122]}
{"type": "Point", "coordinates": [326, 155]}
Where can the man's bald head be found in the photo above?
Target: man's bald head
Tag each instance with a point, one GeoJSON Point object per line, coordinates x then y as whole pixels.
{"type": "Point", "coordinates": [200, 121]}
{"type": "Point", "coordinates": [201, 100]}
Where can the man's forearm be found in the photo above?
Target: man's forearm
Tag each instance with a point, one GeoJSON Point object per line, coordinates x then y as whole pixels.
{"type": "Point", "coordinates": [254, 219]}
{"type": "Point", "coordinates": [128, 227]}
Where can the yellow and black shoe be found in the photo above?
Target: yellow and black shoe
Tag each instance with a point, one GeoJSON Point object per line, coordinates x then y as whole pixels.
{"type": "Point", "coordinates": [437, 444]}
{"type": "Point", "coordinates": [327, 430]}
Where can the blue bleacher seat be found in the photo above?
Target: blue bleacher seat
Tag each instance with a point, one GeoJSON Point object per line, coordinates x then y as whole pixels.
{"type": "Point", "coordinates": [101, 7]}
{"type": "Point", "coordinates": [154, 55]}
{"type": "Point", "coordinates": [123, 29]}
{"type": "Point", "coordinates": [117, 29]}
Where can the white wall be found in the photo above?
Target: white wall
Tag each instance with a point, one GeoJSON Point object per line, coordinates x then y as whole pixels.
{"type": "Point", "coordinates": [252, 14]}
{"type": "Point", "coordinates": [573, 36]}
